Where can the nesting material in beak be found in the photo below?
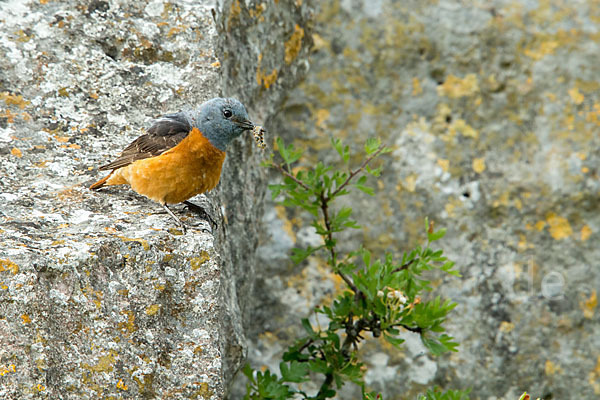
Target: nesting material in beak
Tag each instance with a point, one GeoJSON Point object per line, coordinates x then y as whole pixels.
{"type": "Point", "coordinates": [259, 136]}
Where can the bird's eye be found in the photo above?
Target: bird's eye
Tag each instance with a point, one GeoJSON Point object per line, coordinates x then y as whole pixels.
{"type": "Point", "coordinates": [227, 113]}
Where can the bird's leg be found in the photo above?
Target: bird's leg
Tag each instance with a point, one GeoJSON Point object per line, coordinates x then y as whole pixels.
{"type": "Point", "coordinates": [179, 222]}
{"type": "Point", "coordinates": [201, 212]}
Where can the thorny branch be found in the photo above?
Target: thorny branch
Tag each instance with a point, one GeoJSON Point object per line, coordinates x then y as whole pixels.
{"type": "Point", "coordinates": [353, 328]}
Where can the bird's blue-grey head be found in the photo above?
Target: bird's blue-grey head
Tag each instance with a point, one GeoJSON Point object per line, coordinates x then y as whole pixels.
{"type": "Point", "coordinates": [221, 120]}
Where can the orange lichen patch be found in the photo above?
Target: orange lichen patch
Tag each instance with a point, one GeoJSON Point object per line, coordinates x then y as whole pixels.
{"type": "Point", "coordinates": [594, 114]}
{"type": "Point", "coordinates": [322, 115]}
{"type": "Point", "coordinates": [7, 265]}
{"type": "Point", "coordinates": [576, 96]}
{"type": "Point", "coordinates": [143, 242]}
{"type": "Point", "coordinates": [479, 165]}
{"type": "Point", "coordinates": [6, 370]}
{"type": "Point", "coordinates": [26, 319]}
{"type": "Point", "coordinates": [589, 305]}
{"type": "Point", "coordinates": [455, 87]}
{"type": "Point", "coordinates": [69, 193]}
{"type": "Point", "coordinates": [121, 385]}
{"type": "Point", "coordinates": [445, 164]}
{"type": "Point", "coordinates": [234, 14]}
{"type": "Point", "coordinates": [104, 364]}
{"type": "Point", "coordinates": [410, 183]}
{"type": "Point", "coordinates": [461, 126]}
{"type": "Point", "coordinates": [559, 227]}
{"type": "Point", "coordinates": [287, 224]}
{"type": "Point", "coordinates": [506, 326]}
{"type": "Point", "coordinates": [294, 44]}
{"type": "Point", "coordinates": [257, 11]}
{"type": "Point", "coordinates": [16, 152]}
{"type": "Point", "coordinates": [152, 309]}
{"type": "Point", "coordinates": [14, 100]}
{"type": "Point", "coordinates": [266, 80]}
{"type": "Point", "coordinates": [416, 87]}
{"type": "Point", "coordinates": [585, 233]}
{"type": "Point", "coordinates": [62, 139]}
{"type": "Point", "coordinates": [318, 42]}
{"type": "Point", "coordinates": [216, 64]}
{"type": "Point", "coordinates": [176, 29]}
{"type": "Point", "coordinates": [540, 225]}
{"type": "Point", "coordinates": [10, 116]}
{"type": "Point", "coordinates": [523, 245]}
{"type": "Point", "coordinates": [129, 326]}
{"type": "Point", "coordinates": [262, 78]}
{"type": "Point", "coordinates": [197, 262]}
{"type": "Point", "coordinates": [550, 368]}
{"type": "Point", "coordinates": [541, 49]}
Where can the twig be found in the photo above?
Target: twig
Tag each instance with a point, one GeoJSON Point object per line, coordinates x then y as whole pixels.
{"type": "Point", "coordinates": [325, 386]}
{"type": "Point", "coordinates": [405, 265]}
{"type": "Point", "coordinates": [418, 329]}
{"type": "Point", "coordinates": [356, 171]}
{"type": "Point", "coordinates": [305, 345]}
{"type": "Point", "coordinates": [291, 176]}
{"type": "Point", "coordinates": [324, 208]}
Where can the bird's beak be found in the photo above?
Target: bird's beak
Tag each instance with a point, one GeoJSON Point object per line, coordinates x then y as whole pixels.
{"type": "Point", "coordinates": [244, 124]}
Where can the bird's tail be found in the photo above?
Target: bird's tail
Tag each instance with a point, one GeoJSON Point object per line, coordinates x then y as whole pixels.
{"type": "Point", "coordinates": [101, 182]}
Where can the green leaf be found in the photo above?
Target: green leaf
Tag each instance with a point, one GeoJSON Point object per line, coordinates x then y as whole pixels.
{"type": "Point", "coordinates": [288, 153]}
{"type": "Point", "coordinates": [366, 256]}
{"type": "Point", "coordinates": [432, 237]}
{"type": "Point", "coordinates": [373, 171]}
{"type": "Point", "coordinates": [328, 393]}
{"type": "Point", "coordinates": [394, 341]}
{"type": "Point", "coordinates": [372, 145]}
{"type": "Point", "coordinates": [434, 346]}
{"type": "Point", "coordinates": [249, 372]}
{"type": "Point", "coordinates": [299, 255]}
{"type": "Point", "coordinates": [319, 366]}
{"type": "Point", "coordinates": [366, 189]}
{"type": "Point", "coordinates": [440, 345]}
{"type": "Point", "coordinates": [437, 394]}
{"type": "Point", "coordinates": [307, 326]}
{"type": "Point", "coordinates": [268, 386]}
{"type": "Point", "coordinates": [296, 372]}
{"type": "Point", "coordinates": [337, 145]}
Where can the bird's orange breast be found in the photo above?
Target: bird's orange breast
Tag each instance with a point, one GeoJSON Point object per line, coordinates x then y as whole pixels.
{"type": "Point", "coordinates": [190, 168]}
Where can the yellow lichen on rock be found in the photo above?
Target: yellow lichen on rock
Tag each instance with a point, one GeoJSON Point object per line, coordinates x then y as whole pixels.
{"type": "Point", "coordinates": [559, 227]}
{"type": "Point", "coordinates": [293, 44]}
{"type": "Point", "coordinates": [455, 87]}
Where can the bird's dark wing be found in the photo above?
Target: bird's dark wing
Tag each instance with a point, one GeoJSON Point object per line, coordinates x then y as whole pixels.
{"type": "Point", "coordinates": [163, 135]}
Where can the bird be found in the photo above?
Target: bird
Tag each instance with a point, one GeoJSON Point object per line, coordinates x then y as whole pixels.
{"type": "Point", "coordinates": [181, 155]}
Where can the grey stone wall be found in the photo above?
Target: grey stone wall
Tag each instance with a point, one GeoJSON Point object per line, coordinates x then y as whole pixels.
{"type": "Point", "coordinates": [262, 48]}
{"type": "Point", "coordinates": [100, 297]}
{"type": "Point", "coordinates": [492, 109]}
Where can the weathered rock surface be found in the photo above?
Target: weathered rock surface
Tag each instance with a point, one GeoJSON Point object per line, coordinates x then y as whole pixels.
{"type": "Point", "coordinates": [101, 298]}
{"type": "Point", "coordinates": [492, 109]}
{"type": "Point", "coordinates": [100, 295]}
{"type": "Point", "coordinates": [262, 48]}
